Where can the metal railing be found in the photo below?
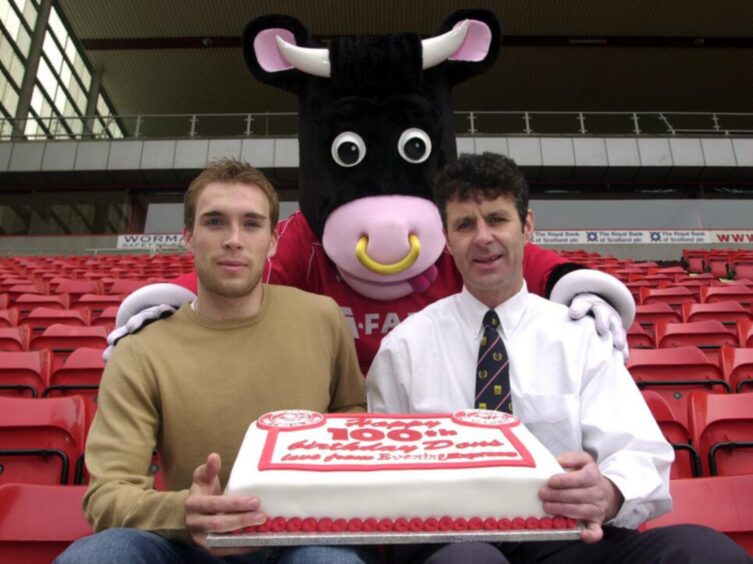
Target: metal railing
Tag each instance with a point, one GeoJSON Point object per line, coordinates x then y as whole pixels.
{"type": "Point", "coordinates": [477, 123]}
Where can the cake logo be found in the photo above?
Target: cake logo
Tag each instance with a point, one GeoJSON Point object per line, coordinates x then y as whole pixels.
{"type": "Point", "coordinates": [484, 418]}
{"type": "Point", "coordinates": [290, 420]}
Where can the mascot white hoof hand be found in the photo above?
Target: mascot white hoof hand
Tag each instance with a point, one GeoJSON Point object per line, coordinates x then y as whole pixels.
{"type": "Point", "coordinates": [604, 297]}
{"type": "Point", "coordinates": [144, 306]}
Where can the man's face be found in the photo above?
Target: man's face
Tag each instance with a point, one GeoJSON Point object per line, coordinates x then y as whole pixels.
{"type": "Point", "coordinates": [231, 239]}
{"type": "Point", "coordinates": [486, 240]}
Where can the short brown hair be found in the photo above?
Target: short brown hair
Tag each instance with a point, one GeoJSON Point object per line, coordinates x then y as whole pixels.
{"type": "Point", "coordinates": [489, 175]}
{"type": "Point", "coordinates": [230, 171]}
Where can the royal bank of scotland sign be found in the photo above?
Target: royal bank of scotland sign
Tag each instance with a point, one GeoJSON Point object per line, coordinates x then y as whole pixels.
{"type": "Point", "coordinates": [643, 236]}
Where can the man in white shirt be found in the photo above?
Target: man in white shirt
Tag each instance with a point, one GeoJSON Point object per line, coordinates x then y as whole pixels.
{"type": "Point", "coordinates": [566, 383]}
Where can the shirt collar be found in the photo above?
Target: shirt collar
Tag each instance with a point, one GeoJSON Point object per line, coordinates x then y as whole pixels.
{"type": "Point", "coordinates": [510, 312]}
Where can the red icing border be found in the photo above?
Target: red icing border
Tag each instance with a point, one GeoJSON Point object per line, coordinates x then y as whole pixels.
{"type": "Point", "coordinates": [265, 459]}
{"type": "Point", "coordinates": [413, 525]}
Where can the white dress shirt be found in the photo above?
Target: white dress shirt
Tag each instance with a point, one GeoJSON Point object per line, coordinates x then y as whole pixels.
{"type": "Point", "coordinates": [569, 387]}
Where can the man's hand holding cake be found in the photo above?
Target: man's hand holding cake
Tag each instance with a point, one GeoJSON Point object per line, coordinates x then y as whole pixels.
{"type": "Point", "coordinates": [583, 494]}
{"type": "Point", "coordinates": [208, 511]}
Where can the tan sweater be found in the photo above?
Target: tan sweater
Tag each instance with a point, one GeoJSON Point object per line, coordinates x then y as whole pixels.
{"type": "Point", "coordinates": [190, 386]}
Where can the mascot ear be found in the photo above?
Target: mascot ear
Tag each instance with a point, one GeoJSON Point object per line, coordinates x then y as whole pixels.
{"type": "Point", "coordinates": [479, 49]}
{"type": "Point", "coordinates": [263, 54]}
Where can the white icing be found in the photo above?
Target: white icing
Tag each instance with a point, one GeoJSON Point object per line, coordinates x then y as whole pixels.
{"type": "Point", "coordinates": [474, 491]}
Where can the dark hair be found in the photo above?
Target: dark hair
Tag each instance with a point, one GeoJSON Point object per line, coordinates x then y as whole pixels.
{"type": "Point", "coordinates": [487, 176]}
{"type": "Point", "coordinates": [230, 171]}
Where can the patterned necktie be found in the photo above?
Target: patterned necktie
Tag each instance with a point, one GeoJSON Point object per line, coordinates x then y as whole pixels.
{"type": "Point", "coordinates": [493, 369]}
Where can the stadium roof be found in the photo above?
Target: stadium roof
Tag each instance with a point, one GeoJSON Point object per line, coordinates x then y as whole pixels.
{"type": "Point", "coordinates": [183, 56]}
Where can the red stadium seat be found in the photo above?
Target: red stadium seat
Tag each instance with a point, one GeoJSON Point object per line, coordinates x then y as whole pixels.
{"type": "Point", "coordinates": [14, 338]}
{"type": "Point", "coordinates": [651, 313]}
{"type": "Point", "coordinates": [19, 289]}
{"type": "Point", "coordinates": [25, 373]}
{"type": "Point", "coordinates": [728, 292]}
{"type": "Point", "coordinates": [126, 286]}
{"type": "Point", "coordinates": [648, 315]}
{"type": "Point", "coordinates": [674, 296]}
{"type": "Point", "coordinates": [62, 340]}
{"type": "Point", "coordinates": [639, 338]}
{"type": "Point", "coordinates": [9, 317]}
{"type": "Point", "coordinates": [687, 461]}
{"type": "Point", "coordinates": [742, 266]}
{"type": "Point", "coordinates": [707, 335]}
{"type": "Point", "coordinates": [694, 286]}
{"type": "Point", "coordinates": [720, 502]}
{"type": "Point", "coordinates": [737, 365]}
{"type": "Point", "coordinates": [658, 280]}
{"type": "Point", "coordinates": [721, 426]}
{"type": "Point", "coordinates": [107, 317]}
{"type": "Point", "coordinates": [745, 333]}
{"type": "Point", "coordinates": [729, 313]}
{"type": "Point", "coordinates": [27, 302]}
{"type": "Point", "coordinates": [42, 439]}
{"type": "Point", "coordinates": [10, 281]}
{"type": "Point", "coordinates": [635, 288]}
{"type": "Point", "coordinates": [41, 318]}
{"type": "Point", "coordinates": [38, 522]}
{"type": "Point", "coordinates": [77, 288]}
{"type": "Point", "coordinates": [674, 272]}
{"type": "Point", "coordinates": [95, 304]}
{"type": "Point", "coordinates": [719, 265]}
{"type": "Point", "coordinates": [80, 375]}
{"type": "Point", "coordinates": [695, 260]}
{"type": "Point", "coordinates": [674, 373]}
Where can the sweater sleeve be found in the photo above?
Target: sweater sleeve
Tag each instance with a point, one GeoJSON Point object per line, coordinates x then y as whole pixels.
{"type": "Point", "coordinates": [119, 451]}
{"type": "Point", "coordinates": [347, 390]}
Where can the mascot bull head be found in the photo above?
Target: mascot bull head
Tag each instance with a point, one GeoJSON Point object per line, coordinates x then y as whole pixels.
{"type": "Point", "coordinates": [375, 125]}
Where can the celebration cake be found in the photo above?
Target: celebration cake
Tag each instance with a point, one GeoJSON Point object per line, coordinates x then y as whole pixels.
{"type": "Point", "coordinates": [471, 470]}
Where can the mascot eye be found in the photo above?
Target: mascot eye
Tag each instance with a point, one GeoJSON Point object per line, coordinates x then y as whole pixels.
{"type": "Point", "coordinates": [414, 145]}
{"type": "Point", "coordinates": [348, 149]}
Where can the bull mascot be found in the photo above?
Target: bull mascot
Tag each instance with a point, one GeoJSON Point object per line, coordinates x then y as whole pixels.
{"type": "Point", "coordinates": [375, 125]}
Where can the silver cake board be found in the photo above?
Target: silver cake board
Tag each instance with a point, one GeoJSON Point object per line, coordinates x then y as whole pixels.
{"type": "Point", "coordinates": [312, 539]}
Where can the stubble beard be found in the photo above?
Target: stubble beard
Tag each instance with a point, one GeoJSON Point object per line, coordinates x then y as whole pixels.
{"type": "Point", "coordinates": [229, 288]}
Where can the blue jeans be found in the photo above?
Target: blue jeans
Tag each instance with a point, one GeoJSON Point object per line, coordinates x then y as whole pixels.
{"type": "Point", "coordinates": [133, 546]}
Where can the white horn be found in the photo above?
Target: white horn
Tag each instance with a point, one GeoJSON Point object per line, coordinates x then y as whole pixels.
{"type": "Point", "coordinates": [438, 49]}
{"type": "Point", "coordinates": [306, 59]}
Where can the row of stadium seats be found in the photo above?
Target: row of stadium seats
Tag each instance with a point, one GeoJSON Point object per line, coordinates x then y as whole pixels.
{"type": "Point", "coordinates": [715, 436]}
{"type": "Point", "coordinates": [61, 340]}
{"type": "Point", "coordinates": [722, 263]}
{"type": "Point", "coordinates": [719, 263]}
{"type": "Point", "coordinates": [728, 312]}
{"type": "Point", "coordinates": [59, 365]}
{"type": "Point", "coordinates": [685, 293]}
{"type": "Point", "coordinates": [70, 290]}
{"type": "Point", "coordinates": [31, 374]}
{"type": "Point", "coordinates": [676, 366]}
{"type": "Point", "coordinates": [93, 312]}
{"type": "Point", "coordinates": [685, 393]}
{"type": "Point", "coordinates": [709, 335]}
{"type": "Point", "coordinates": [37, 537]}
{"type": "Point", "coordinates": [720, 502]}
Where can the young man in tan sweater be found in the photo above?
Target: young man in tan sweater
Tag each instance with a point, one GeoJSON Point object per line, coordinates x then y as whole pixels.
{"type": "Point", "coordinates": [190, 386]}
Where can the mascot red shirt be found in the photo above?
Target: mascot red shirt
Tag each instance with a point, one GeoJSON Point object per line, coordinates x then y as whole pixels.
{"type": "Point", "coordinates": [375, 125]}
